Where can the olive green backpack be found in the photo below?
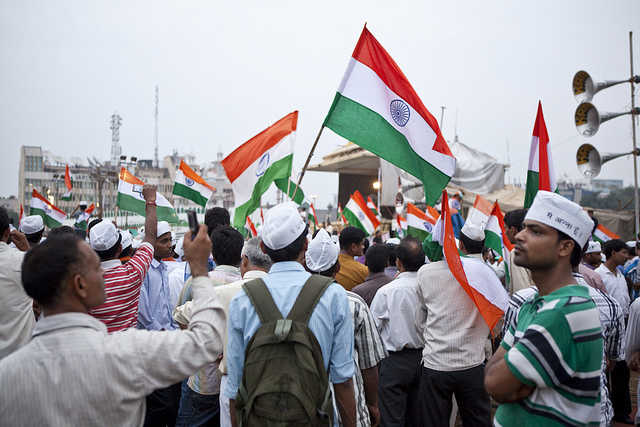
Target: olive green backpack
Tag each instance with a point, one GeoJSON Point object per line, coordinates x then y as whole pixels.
{"type": "Point", "coordinates": [284, 381]}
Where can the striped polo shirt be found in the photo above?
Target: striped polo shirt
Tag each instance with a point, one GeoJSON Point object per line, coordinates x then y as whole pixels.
{"type": "Point", "coordinates": [556, 347]}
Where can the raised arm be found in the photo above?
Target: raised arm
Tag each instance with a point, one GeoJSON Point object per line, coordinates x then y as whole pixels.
{"type": "Point", "coordinates": [151, 218]}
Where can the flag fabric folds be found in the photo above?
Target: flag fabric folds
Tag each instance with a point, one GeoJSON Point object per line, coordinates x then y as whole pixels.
{"type": "Point", "coordinates": [52, 216]}
{"type": "Point", "coordinates": [603, 234]}
{"type": "Point", "coordinates": [358, 214]}
{"type": "Point", "coordinates": [288, 187]}
{"type": "Point", "coordinates": [419, 223]}
{"type": "Point", "coordinates": [495, 237]}
{"type": "Point", "coordinates": [376, 108]}
{"type": "Point", "coordinates": [251, 228]}
{"type": "Point", "coordinates": [192, 186]}
{"type": "Point", "coordinates": [340, 216]}
{"type": "Point", "coordinates": [130, 198]}
{"type": "Point", "coordinates": [311, 216]}
{"type": "Point", "coordinates": [541, 174]}
{"type": "Point", "coordinates": [476, 278]}
{"type": "Point", "coordinates": [67, 184]}
{"type": "Point", "coordinates": [252, 167]}
{"type": "Point", "coordinates": [372, 207]}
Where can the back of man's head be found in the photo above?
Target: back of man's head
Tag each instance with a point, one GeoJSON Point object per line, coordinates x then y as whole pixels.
{"type": "Point", "coordinates": [216, 217]}
{"type": "Point", "coordinates": [226, 245]}
{"type": "Point", "coordinates": [471, 246]}
{"type": "Point", "coordinates": [256, 258]}
{"type": "Point", "coordinates": [377, 258]}
{"type": "Point", "coordinates": [4, 221]}
{"type": "Point", "coordinates": [613, 245]}
{"type": "Point", "coordinates": [515, 218]}
{"type": "Point", "coordinates": [47, 266]}
{"type": "Point", "coordinates": [350, 235]}
{"type": "Point", "coordinates": [60, 230]}
{"type": "Point", "coordinates": [410, 253]}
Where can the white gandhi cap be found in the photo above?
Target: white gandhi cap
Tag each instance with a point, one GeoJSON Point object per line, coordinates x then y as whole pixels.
{"type": "Point", "coordinates": [562, 214]}
{"type": "Point", "coordinates": [103, 236]}
{"type": "Point", "coordinates": [31, 224]}
{"type": "Point", "coordinates": [473, 231]}
{"type": "Point", "coordinates": [163, 227]}
{"type": "Point", "coordinates": [322, 252]}
{"type": "Point", "coordinates": [282, 226]}
{"type": "Point", "coordinates": [593, 247]}
{"type": "Point", "coordinates": [127, 239]}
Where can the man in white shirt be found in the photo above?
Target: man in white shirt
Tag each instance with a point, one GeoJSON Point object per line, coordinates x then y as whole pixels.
{"type": "Point", "coordinates": [617, 253]}
{"type": "Point", "coordinates": [454, 337]}
{"type": "Point", "coordinates": [16, 312]}
{"type": "Point", "coordinates": [394, 310]}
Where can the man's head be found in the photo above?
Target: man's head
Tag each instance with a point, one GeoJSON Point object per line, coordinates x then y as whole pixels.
{"type": "Point", "coordinates": [4, 225]}
{"type": "Point", "coordinates": [61, 230]}
{"type": "Point", "coordinates": [513, 223]}
{"type": "Point", "coordinates": [253, 258]}
{"type": "Point", "coordinates": [593, 254]}
{"type": "Point", "coordinates": [126, 243]}
{"type": "Point", "coordinates": [216, 217]}
{"type": "Point", "coordinates": [322, 255]}
{"type": "Point", "coordinates": [393, 253]}
{"type": "Point", "coordinates": [63, 274]}
{"type": "Point", "coordinates": [226, 246]}
{"type": "Point", "coordinates": [410, 254]}
{"type": "Point", "coordinates": [471, 238]}
{"type": "Point", "coordinates": [163, 248]}
{"type": "Point", "coordinates": [352, 241]}
{"type": "Point", "coordinates": [616, 251]}
{"type": "Point", "coordinates": [105, 240]}
{"type": "Point", "coordinates": [32, 226]}
{"type": "Point", "coordinates": [555, 231]}
{"type": "Point", "coordinates": [284, 234]}
{"type": "Point", "coordinates": [377, 258]}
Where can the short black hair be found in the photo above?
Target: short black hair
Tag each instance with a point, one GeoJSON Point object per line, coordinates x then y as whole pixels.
{"type": "Point", "coordinates": [45, 267]}
{"type": "Point", "coordinates": [290, 252]}
{"type": "Point", "coordinates": [613, 245]}
{"type": "Point", "coordinates": [366, 246]}
{"type": "Point", "coordinates": [595, 224]}
{"type": "Point", "coordinates": [470, 245]}
{"type": "Point", "coordinates": [377, 258]}
{"type": "Point", "coordinates": [331, 271]}
{"type": "Point", "coordinates": [410, 253]}
{"type": "Point", "coordinates": [216, 217]}
{"type": "Point", "coordinates": [226, 245]}
{"type": "Point", "coordinates": [515, 218]}
{"type": "Point", "coordinates": [34, 237]}
{"type": "Point", "coordinates": [110, 253]}
{"type": "Point", "coordinates": [349, 236]}
{"type": "Point", "coordinates": [576, 253]}
{"type": "Point", "coordinates": [126, 252]}
{"type": "Point", "coordinates": [92, 223]}
{"type": "Point", "coordinates": [393, 252]}
{"type": "Point", "coordinates": [60, 230]}
{"type": "Point", "coordinates": [4, 220]}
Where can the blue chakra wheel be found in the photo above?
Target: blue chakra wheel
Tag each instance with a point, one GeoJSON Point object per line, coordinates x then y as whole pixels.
{"type": "Point", "coordinates": [400, 112]}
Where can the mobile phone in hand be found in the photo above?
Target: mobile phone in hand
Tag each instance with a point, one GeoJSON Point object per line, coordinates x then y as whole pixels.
{"type": "Point", "coordinates": [193, 223]}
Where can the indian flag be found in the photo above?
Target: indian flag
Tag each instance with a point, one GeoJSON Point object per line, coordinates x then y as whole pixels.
{"type": "Point", "coordinates": [541, 175]}
{"type": "Point", "coordinates": [67, 184]}
{"type": "Point", "coordinates": [372, 207]}
{"type": "Point", "coordinates": [252, 167]}
{"type": "Point", "coordinates": [358, 214]}
{"type": "Point", "coordinates": [400, 225]}
{"type": "Point", "coordinates": [376, 108]}
{"type": "Point", "coordinates": [495, 237]}
{"type": "Point", "coordinates": [603, 234]}
{"type": "Point", "coordinates": [476, 278]}
{"type": "Point", "coordinates": [311, 216]}
{"type": "Point", "coordinates": [419, 224]}
{"type": "Point", "coordinates": [192, 186]}
{"type": "Point", "coordinates": [251, 227]}
{"type": "Point", "coordinates": [130, 198]}
{"type": "Point", "coordinates": [83, 218]}
{"type": "Point", "coordinates": [480, 212]}
{"type": "Point", "coordinates": [51, 215]}
{"type": "Point", "coordinates": [288, 187]}
{"type": "Point", "coordinates": [341, 217]}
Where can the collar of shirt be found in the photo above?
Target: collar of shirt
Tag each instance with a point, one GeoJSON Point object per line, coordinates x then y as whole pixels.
{"type": "Point", "coordinates": [573, 289]}
{"type": "Point", "coordinates": [286, 266]}
{"type": "Point", "coordinates": [374, 276]}
{"type": "Point", "coordinates": [110, 264]}
{"type": "Point", "coordinates": [406, 275]}
{"type": "Point", "coordinates": [227, 269]}
{"type": "Point", "coordinates": [158, 265]}
{"type": "Point", "coordinates": [67, 320]}
{"type": "Point", "coordinates": [589, 266]}
{"type": "Point", "coordinates": [254, 274]}
{"type": "Point", "coordinates": [605, 270]}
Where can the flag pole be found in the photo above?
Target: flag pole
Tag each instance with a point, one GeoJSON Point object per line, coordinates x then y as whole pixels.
{"type": "Point", "coordinates": [304, 169]}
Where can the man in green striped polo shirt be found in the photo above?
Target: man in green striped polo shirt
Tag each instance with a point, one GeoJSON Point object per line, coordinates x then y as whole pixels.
{"type": "Point", "coordinates": [547, 369]}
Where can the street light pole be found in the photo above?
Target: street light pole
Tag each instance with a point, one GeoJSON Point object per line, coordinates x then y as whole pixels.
{"type": "Point", "coordinates": [633, 133]}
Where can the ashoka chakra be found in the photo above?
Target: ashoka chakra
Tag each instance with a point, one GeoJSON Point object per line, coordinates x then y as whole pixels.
{"type": "Point", "coordinates": [399, 112]}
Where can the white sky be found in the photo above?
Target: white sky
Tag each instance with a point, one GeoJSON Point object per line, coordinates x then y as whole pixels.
{"type": "Point", "coordinates": [227, 71]}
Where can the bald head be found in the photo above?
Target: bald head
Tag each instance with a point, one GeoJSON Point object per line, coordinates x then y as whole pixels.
{"type": "Point", "coordinates": [410, 254]}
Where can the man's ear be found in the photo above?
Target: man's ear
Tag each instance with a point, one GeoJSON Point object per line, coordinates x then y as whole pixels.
{"type": "Point", "coordinates": [565, 247]}
{"type": "Point", "coordinates": [78, 286]}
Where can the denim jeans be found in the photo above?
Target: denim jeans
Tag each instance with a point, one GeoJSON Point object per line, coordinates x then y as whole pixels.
{"type": "Point", "coordinates": [198, 409]}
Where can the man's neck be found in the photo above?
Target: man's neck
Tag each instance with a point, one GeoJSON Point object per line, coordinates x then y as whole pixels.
{"type": "Point", "coordinates": [343, 252]}
{"type": "Point", "coordinates": [611, 265]}
{"type": "Point", "coordinates": [157, 259]}
{"type": "Point", "coordinates": [553, 279]}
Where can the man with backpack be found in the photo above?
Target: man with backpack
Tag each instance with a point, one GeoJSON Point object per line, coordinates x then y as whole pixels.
{"type": "Point", "coordinates": [289, 361]}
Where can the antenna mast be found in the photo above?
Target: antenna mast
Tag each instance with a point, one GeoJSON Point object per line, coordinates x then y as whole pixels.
{"type": "Point", "coordinates": [116, 150]}
{"type": "Point", "coordinates": [156, 162]}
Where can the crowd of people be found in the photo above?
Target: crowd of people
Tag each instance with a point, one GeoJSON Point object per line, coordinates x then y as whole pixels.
{"type": "Point", "coordinates": [300, 328]}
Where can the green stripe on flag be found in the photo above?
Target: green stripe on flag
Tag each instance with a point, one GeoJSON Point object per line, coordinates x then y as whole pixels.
{"type": "Point", "coordinates": [372, 132]}
{"type": "Point", "coordinates": [493, 241]}
{"type": "Point", "coordinates": [418, 233]}
{"type": "Point", "coordinates": [531, 188]}
{"type": "Point", "coordinates": [46, 219]}
{"type": "Point", "coordinates": [131, 204]}
{"type": "Point", "coordinates": [284, 183]}
{"type": "Point", "coordinates": [353, 220]}
{"type": "Point", "coordinates": [278, 170]}
{"type": "Point", "coordinates": [189, 193]}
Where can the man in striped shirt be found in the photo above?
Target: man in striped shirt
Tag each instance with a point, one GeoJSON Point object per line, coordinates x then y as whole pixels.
{"type": "Point", "coordinates": [547, 369]}
{"type": "Point", "coordinates": [122, 282]}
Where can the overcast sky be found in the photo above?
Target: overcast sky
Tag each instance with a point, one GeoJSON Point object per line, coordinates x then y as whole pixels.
{"type": "Point", "coordinates": [227, 71]}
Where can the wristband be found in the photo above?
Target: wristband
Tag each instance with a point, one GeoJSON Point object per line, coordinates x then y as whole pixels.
{"type": "Point", "coordinates": [151, 204]}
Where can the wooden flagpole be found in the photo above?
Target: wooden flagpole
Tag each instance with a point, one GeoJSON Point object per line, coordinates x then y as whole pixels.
{"type": "Point", "coordinates": [304, 169]}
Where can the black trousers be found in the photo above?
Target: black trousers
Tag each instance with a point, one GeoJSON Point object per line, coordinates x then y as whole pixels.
{"type": "Point", "coordinates": [620, 398]}
{"type": "Point", "coordinates": [162, 406]}
{"type": "Point", "coordinates": [399, 389]}
{"type": "Point", "coordinates": [437, 387]}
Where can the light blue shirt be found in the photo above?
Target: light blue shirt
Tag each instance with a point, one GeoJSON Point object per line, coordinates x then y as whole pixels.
{"type": "Point", "coordinates": [330, 322]}
{"type": "Point", "coordinates": [154, 309]}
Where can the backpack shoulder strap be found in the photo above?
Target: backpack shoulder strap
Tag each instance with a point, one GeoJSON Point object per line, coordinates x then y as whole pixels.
{"type": "Point", "coordinates": [309, 296]}
{"type": "Point", "coordinates": [262, 300]}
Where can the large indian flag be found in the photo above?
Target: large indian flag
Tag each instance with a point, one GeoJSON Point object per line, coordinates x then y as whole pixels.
{"type": "Point", "coordinates": [130, 198]}
{"type": "Point", "coordinates": [192, 186]}
{"type": "Point", "coordinates": [541, 174]}
{"type": "Point", "coordinates": [377, 108]}
{"type": "Point", "coordinates": [476, 278]}
{"type": "Point", "coordinates": [359, 215]}
{"type": "Point", "coordinates": [603, 234]}
{"type": "Point", "coordinates": [52, 216]}
{"type": "Point", "coordinates": [419, 223]}
{"type": "Point", "coordinates": [252, 167]}
{"type": "Point", "coordinates": [495, 237]}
